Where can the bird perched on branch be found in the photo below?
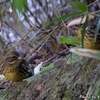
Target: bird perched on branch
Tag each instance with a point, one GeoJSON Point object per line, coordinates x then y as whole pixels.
{"type": "Point", "coordinates": [15, 69]}
{"type": "Point", "coordinates": [89, 41]}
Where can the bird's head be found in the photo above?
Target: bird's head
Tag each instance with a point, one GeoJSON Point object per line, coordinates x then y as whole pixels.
{"type": "Point", "coordinates": [12, 56]}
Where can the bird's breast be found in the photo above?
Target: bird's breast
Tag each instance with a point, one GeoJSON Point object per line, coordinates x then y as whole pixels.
{"type": "Point", "coordinates": [15, 77]}
{"type": "Point", "coordinates": [14, 73]}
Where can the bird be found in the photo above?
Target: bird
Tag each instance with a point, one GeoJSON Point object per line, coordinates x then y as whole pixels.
{"type": "Point", "coordinates": [14, 68]}
{"type": "Point", "coordinates": [89, 41]}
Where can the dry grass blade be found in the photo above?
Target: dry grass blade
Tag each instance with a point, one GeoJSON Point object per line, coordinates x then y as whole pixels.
{"type": "Point", "coordinates": [86, 52]}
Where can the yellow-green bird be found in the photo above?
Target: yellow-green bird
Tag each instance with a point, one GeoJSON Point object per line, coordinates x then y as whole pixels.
{"type": "Point", "coordinates": [15, 69]}
{"type": "Point", "coordinates": [89, 42]}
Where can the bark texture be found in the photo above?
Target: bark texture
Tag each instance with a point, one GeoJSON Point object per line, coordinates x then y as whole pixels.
{"type": "Point", "coordinates": [68, 82]}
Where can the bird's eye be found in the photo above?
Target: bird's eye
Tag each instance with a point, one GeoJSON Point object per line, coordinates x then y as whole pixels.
{"type": "Point", "coordinates": [14, 57]}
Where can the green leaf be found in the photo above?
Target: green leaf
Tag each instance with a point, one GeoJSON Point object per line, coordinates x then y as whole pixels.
{"type": "Point", "coordinates": [67, 16]}
{"type": "Point", "coordinates": [20, 5]}
{"type": "Point", "coordinates": [97, 30]}
{"type": "Point", "coordinates": [61, 3]}
{"type": "Point", "coordinates": [1, 41]}
{"type": "Point", "coordinates": [62, 40]}
{"type": "Point", "coordinates": [84, 29]}
{"type": "Point", "coordinates": [45, 69]}
{"type": "Point", "coordinates": [64, 17]}
{"type": "Point", "coordinates": [72, 40]}
{"type": "Point", "coordinates": [81, 6]}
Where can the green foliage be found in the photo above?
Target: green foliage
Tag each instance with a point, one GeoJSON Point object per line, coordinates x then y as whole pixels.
{"type": "Point", "coordinates": [61, 3]}
{"type": "Point", "coordinates": [72, 40]}
{"type": "Point", "coordinates": [43, 70]}
{"type": "Point", "coordinates": [20, 5]}
{"type": "Point", "coordinates": [1, 41]}
{"type": "Point", "coordinates": [67, 16]}
{"type": "Point", "coordinates": [47, 68]}
{"type": "Point", "coordinates": [97, 30]}
{"type": "Point", "coordinates": [84, 30]}
{"type": "Point", "coordinates": [81, 6]}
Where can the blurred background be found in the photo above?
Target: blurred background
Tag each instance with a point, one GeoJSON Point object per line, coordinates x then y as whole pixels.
{"type": "Point", "coordinates": [15, 24]}
{"type": "Point", "coordinates": [21, 23]}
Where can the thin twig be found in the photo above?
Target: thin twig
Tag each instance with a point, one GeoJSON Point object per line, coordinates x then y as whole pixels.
{"type": "Point", "coordinates": [41, 42]}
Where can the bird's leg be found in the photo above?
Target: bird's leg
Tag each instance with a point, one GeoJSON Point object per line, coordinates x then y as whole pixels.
{"type": "Point", "coordinates": [9, 85]}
